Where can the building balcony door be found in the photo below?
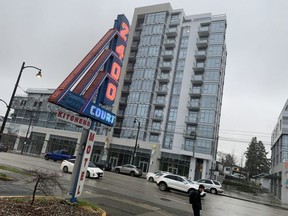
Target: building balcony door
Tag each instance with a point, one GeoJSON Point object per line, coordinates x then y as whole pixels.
{"type": "Point", "coordinates": [113, 161]}
{"type": "Point", "coordinates": [173, 170]}
{"type": "Point", "coordinates": [144, 166]}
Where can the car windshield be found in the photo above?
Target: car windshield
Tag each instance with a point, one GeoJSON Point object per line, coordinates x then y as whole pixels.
{"type": "Point", "coordinates": [187, 180]}
{"type": "Point", "coordinates": [91, 164]}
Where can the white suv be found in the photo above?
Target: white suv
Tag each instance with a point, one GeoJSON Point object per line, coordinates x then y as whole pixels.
{"type": "Point", "coordinates": [176, 182]}
{"type": "Point", "coordinates": [211, 186]}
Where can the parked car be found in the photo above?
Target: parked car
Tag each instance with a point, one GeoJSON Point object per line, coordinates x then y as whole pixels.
{"type": "Point", "coordinates": [58, 155]}
{"type": "Point", "coordinates": [211, 186]}
{"type": "Point", "coordinates": [104, 166]}
{"type": "Point", "coordinates": [92, 170]}
{"type": "Point", "coordinates": [238, 176]}
{"type": "Point", "coordinates": [176, 182]}
{"type": "Point", "coordinates": [128, 169]}
{"type": "Point", "coordinates": [3, 148]}
{"type": "Point", "coordinates": [153, 176]}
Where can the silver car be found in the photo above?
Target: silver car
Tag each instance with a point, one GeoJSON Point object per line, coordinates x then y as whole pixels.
{"type": "Point", "coordinates": [211, 186]}
{"type": "Point", "coordinates": [128, 169]}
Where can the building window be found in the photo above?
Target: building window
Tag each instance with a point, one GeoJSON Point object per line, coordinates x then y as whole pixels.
{"type": "Point", "coordinates": [210, 88]}
{"type": "Point", "coordinates": [154, 138]}
{"type": "Point", "coordinates": [209, 102]}
{"type": "Point", "coordinates": [205, 131]}
{"type": "Point", "coordinates": [207, 116]}
{"type": "Point", "coordinates": [173, 114]}
{"type": "Point", "coordinates": [218, 26]}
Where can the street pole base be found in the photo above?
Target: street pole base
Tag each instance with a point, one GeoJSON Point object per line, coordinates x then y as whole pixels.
{"type": "Point", "coordinates": [73, 200]}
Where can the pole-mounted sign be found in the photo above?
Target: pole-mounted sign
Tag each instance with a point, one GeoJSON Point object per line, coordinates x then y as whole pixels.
{"type": "Point", "coordinates": [97, 74]}
{"type": "Point", "coordinates": [91, 86]}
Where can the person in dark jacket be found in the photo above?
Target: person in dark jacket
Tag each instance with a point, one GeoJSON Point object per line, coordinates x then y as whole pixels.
{"type": "Point", "coordinates": [195, 199]}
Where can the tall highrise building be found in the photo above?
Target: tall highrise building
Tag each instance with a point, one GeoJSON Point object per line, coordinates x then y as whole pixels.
{"type": "Point", "coordinates": [172, 88]}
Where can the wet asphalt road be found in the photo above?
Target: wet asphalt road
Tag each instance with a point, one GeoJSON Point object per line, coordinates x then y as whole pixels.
{"type": "Point", "coordinates": [122, 195]}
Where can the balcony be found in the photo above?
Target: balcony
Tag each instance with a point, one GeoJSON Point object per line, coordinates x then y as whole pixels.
{"type": "Point", "coordinates": [195, 92]}
{"type": "Point", "coordinates": [162, 90]}
{"type": "Point", "coordinates": [130, 67]}
{"type": "Point", "coordinates": [199, 67]}
{"type": "Point", "coordinates": [123, 100]}
{"type": "Point", "coordinates": [155, 130]}
{"type": "Point", "coordinates": [191, 121]}
{"type": "Point", "coordinates": [174, 22]}
{"type": "Point", "coordinates": [197, 79]}
{"type": "Point", "coordinates": [168, 54]}
{"type": "Point", "coordinates": [125, 88]}
{"type": "Point", "coordinates": [200, 55]}
{"type": "Point", "coordinates": [202, 43]}
{"type": "Point", "coordinates": [172, 32]}
{"type": "Point", "coordinates": [164, 77]}
{"type": "Point", "coordinates": [193, 106]}
{"type": "Point", "coordinates": [203, 31]}
{"type": "Point", "coordinates": [169, 43]}
{"type": "Point", "coordinates": [165, 66]}
{"type": "Point", "coordinates": [120, 113]}
{"type": "Point", "coordinates": [136, 35]}
{"type": "Point", "coordinates": [189, 134]}
{"type": "Point", "coordinates": [134, 46]}
{"type": "Point", "coordinates": [159, 102]}
{"type": "Point", "coordinates": [157, 117]}
{"type": "Point", "coordinates": [132, 56]}
{"type": "Point", "coordinates": [139, 27]}
{"type": "Point", "coordinates": [128, 78]}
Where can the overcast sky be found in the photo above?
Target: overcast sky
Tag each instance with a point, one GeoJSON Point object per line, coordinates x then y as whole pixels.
{"type": "Point", "coordinates": [55, 35]}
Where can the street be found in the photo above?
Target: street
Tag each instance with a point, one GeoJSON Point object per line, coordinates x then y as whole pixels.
{"type": "Point", "coordinates": [124, 195]}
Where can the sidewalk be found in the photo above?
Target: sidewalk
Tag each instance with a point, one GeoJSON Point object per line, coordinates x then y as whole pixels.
{"type": "Point", "coordinates": [261, 198]}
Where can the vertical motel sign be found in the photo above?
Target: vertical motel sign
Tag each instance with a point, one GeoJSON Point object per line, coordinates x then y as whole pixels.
{"type": "Point", "coordinates": [92, 84]}
{"type": "Point", "coordinates": [96, 75]}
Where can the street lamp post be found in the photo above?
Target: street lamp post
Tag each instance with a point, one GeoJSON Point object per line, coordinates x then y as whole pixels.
{"type": "Point", "coordinates": [13, 94]}
{"type": "Point", "coordinates": [136, 142]}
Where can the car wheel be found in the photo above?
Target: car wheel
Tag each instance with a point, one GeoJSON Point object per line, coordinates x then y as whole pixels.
{"type": "Point", "coordinates": [163, 186]}
{"type": "Point", "coordinates": [46, 157]}
{"type": "Point", "coordinates": [213, 191]}
{"type": "Point", "coordinates": [117, 170]}
{"type": "Point", "coordinates": [151, 179]}
{"type": "Point", "coordinates": [132, 173]}
{"type": "Point", "coordinates": [55, 160]}
{"type": "Point", "coordinates": [65, 169]}
{"type": "Point", "coordinates": [87, 174]}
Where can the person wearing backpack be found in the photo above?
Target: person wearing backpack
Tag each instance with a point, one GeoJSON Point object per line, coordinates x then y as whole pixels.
{"type": "Point", "coordinates": [195, 199]}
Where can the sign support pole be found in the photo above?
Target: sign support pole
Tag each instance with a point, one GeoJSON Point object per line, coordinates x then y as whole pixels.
{"type": "Point", "coordinates": [77, 166]}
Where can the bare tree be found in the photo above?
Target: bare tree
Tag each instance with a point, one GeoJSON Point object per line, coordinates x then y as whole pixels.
{"type": "Point", "coordinates": [44, 181]}
{"type": "Point", "coordinates": [227, 159]}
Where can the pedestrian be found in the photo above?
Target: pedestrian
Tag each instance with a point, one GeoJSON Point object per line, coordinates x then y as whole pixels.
{"type": "Point", "coordinates": [195, 199]}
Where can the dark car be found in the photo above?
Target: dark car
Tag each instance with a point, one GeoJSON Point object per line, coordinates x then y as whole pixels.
{"type": "Point", "coordinates": [3, 148]}
{"type": "Point", "coordinates": [104, 165]}
{"type": "Point", "coordinates": [58, 155]}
